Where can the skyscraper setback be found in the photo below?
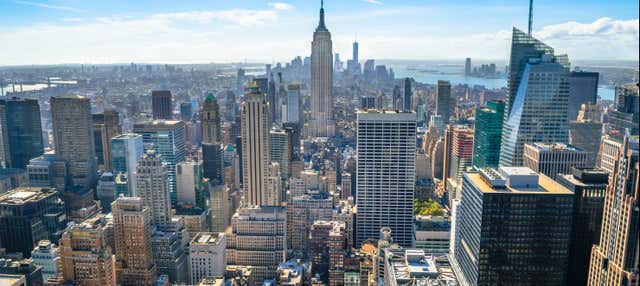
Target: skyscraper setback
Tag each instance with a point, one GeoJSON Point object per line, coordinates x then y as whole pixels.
{"type": "Point", "coordinates": [210, 120]}
{"type": "Point", "coordinates": [322, 124]}
{"type": "Point", "coordinates": [255, 147]}
{"type": "Point", "coordinates": [614, 262]}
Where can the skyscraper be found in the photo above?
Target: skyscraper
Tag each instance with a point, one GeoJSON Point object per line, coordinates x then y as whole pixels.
{"type": "Point", "coordinates": [230, 105]}
{"type": "Point", "coordinates": [408, 95]}
{"type": "Point", "coordinates": [443, 98]}
{"type": "Point", "coordinates": [132, 235]}
{"type": "Point", "coordinates": [355, 52]}
{"type": "Point", "coordinates": [167, 138]}
{"type": "Point", "coordinates": [322, 124]}
{"type": "Point", "coordinates": [212, 163]}
{"type": "Point", "coordinates": [467, 67]}
{"type": "Point", "coordinates": [73, 139]}
{"type": "Point", "coordinates": [385, 182]}
{"type": "Point", "coordinates": [126, 150]}
{"type": "Point", "coordinates": [106, 125]}
{"type": "Point", "coordinates": [20, 132]}
{"type": "Point", "coordinates": [152, 185]}
{"type": "Point", "coordinates": [255, 146]}
{"type": "Point", "coordinates": [189, 181]}
{"type": "Point", "coordinates": [210, 120]}
{"type": "Point", "coordinates": [536, 105]}
{"type": "Point", "coordinates": [281, 150]}
{"type": "Point", "coordinates": [589, 188]}
{"type": "Point", "coordinates": [614, 261]}
{"type": "Point", "coordinates": [499, 240]}
{"type": "Point", "coordinates": [294, 105]}
{"type": "Point", "coordinates": [162, 105]}
{"type": "Point", "coordinates": [583, 88]}
{"type": "Point", "coordinates": [488, 134]}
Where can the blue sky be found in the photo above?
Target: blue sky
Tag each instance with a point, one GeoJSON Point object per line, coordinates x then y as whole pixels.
{"type": "Point", "coordinates": [75, 31]}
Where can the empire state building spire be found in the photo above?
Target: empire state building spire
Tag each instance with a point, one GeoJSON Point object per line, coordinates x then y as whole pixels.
{"type": "Point", "coordinates": [321, 24]}
{"type": "Point", "coordinates": [321, 124]}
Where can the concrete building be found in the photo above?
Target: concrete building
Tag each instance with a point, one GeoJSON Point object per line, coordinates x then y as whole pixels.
{"type": "Point", "coordinates": [207, 256]}
{"type": "Point", "coordinates": [553, 159]}
{"type": "Point", "coordinates": [322, 124]}
{"type": "Point", "coordinates": [258, 238]}
{"type": "Point", "coordinates": [169, 253]}
{"type": "Point", "coordinates": [161, 104]}
{"type": "Point", "coordinates": [132, 233]}
{"type": "Point", "coordinates": [302, 212]}
{"type": "Point", "coordinates": [85, 256]}
{"type": "Point", "coordinates": [255, 147]}
{"type": "Point", "coordinates": [189, 182]}
{"type": "Point", "coordinates": [614, 261]}
{"type": "Point", "coordinates": [210, 120]}
{"type": "Point", "coordinates": [73, 140]}
{"type": "Point", "coordinates": [499, 241]}
{"type": "Point", "coordinates": [152, 185]}
{"type": "Point", "coordinates": [433, 234]}
{"type": "Point", "coordinates": [385, 182]}
{"type": "Point", "coordinates": [47, 256]}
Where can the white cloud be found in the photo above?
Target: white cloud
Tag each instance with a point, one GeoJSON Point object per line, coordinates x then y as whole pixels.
{"type": "Point", "coordinates": [281, 6]}
{"type": "Point", "coordinates": [604, 38]}
{"type": "Point", "coordinates": [373, 2]}
{"type": "Point", "coordinates": [48, 6]}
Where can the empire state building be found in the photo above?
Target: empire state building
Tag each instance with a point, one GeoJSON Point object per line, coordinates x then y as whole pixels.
{"type": "Point", "coordinates": [321, 123]}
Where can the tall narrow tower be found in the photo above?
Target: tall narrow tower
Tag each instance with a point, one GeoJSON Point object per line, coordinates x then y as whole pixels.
{"type": "Point", "coordinates": [255, 146]}
{"type": "Point", "coordinates": [322, 124]}
{"type": "Point", "coordinates": [211, 120]}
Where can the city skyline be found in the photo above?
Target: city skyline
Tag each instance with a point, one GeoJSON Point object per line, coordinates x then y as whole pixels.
{"type": "Point", "coordinates": [217, 32]}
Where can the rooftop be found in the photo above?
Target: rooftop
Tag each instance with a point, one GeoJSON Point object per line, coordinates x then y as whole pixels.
{"type": "Point", "coordinates": [517, 181]}
{"type": "Point", "coordinates": [414, 267]}
{"type": "Point", "coordinates": [207, 238]}
{"type": "Point", "coordinates": [23, 195]}
{"type": "Point", "coordinates": [554, 147]}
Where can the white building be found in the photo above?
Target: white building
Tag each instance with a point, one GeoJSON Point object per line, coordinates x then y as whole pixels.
{"type": "Point", "coordinates": [46, 256]}
{"type": "Point", "coordinates": [188, 177]}
{"type": "Point", "coordinates": [207, 256]}
{"type": "Point", "coordinates": [386, 146]}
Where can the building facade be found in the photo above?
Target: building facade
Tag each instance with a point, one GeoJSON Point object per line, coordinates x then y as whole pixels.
{"type": "Point", "coordinates": [385, 176]}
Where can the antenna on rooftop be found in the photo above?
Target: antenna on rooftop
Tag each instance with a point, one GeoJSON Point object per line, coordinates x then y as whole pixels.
{"type": "Point", "coordinates": [530, 15]}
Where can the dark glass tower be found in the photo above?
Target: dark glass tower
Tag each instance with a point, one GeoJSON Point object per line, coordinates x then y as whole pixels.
{"type": "Point", "coordinates": [589, 187]}
{"type": "Point", "coordinates": [20, 133]}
